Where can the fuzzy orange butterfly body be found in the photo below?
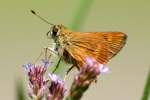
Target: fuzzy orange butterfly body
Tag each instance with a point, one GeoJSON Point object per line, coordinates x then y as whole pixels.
{"type": "Point", "coordinates": [75, 46]}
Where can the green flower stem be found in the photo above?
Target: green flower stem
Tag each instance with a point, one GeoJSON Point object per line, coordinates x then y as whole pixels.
{"type": "Point", "coordinates": [146, 92]}
{"type": "Point", "coordinates": [37, 98]}
{"type": "Point", "coordinates": [81, 14]}
{"type": "Point", "coordinates": [77, 91]}
{"type": "Point", "coordinates": [19, 90]}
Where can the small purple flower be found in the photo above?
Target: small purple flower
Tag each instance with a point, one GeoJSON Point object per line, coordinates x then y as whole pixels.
{"type": "Point", "coordinates": [57, 88]}
{"type": "Point", "coordinates": [45, 62]}
{"type": "Point", "coordinates": [103, 68]}
{"type": "Point", "coordinates": [27, 66]}
{"type": "Point", "coordinates": [37, 83]}
{"type": "Point", "coordinates": [88, 74]}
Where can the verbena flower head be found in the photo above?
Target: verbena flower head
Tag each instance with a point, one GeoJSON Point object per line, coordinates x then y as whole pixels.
{"type": "Point", "coordinates": [57, 88]}
{"type": "Point", "coordinates": [88, 74]}
{"type": "Point", "coordinates": [89, 71]}
{"type": "Point", "coordinates": [37, 83]}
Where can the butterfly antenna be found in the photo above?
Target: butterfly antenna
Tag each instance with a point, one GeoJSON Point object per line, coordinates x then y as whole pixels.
{"type": "Point", "coordinates": [33, 12]}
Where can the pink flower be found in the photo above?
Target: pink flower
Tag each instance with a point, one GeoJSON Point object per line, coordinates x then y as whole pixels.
{"type": "Point", "coordinates": [88, 74]}
{"type": "Point", "coordinates": [57, 88]}
{"type": "Point", "coordinates": [37, 83]}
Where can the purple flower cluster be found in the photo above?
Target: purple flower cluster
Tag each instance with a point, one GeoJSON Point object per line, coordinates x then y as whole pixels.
{"type": "Point", "coordinates": [90, 71]}
{"type": "Point", "coordinates": [54, 87]}
{"type": "Point", "coordinates": [88, 74]}
{"type": "Point", "coordinates": [38, 85]}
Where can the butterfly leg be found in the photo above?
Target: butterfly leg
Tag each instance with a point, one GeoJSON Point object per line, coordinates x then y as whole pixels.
{"type": "Point", "coordinates": [43, 52]}
{"type": "Point", "coordinates": [67, 72]}
{"type": "Point", "coordinates": [46, 55]}
{"type": "Point", "coordinates": [57, 65]}
{"type": "Point", "coordinates": [52, 49]}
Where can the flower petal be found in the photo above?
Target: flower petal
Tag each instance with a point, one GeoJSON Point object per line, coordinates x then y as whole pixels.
{"type": "Point", "coordinates": [103, 68]}
{"type": "Point", "coordinates": [27, 66]}
{"type": "Point", "coordinates": [46, 62]}
{"type": "Point", "coordinates": [89, 61]}
{"type": "Point", "coordinates": [53, 77]}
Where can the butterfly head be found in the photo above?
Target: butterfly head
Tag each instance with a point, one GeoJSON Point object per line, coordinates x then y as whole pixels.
{"type": "Point", "coordinates": [54, 31]}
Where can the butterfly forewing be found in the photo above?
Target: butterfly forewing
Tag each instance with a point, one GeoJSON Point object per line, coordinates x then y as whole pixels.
{"type": "Point", "coordinates": [99, 45]}
{"type": "Point", "coordinates": [115, 41]}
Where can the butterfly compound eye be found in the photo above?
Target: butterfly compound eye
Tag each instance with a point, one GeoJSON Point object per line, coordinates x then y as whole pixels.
{"type": "Point", "coordinates": [54, 31]}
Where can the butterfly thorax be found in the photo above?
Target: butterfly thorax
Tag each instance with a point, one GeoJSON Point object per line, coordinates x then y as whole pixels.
{"type": "Point", "coordinates": [60, 35]}
{"type": "Point", "coordinates": [63, 41]}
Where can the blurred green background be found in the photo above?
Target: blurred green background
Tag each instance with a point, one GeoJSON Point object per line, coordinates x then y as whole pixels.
{"type": "Point", "coordinates": [22, 36]}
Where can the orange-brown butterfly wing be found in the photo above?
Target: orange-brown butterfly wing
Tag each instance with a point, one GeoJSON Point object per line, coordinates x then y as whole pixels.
{"type": "Point", "coordinates": [115, 41]}
{"type": "Point", "coordinates": [98, 45]}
